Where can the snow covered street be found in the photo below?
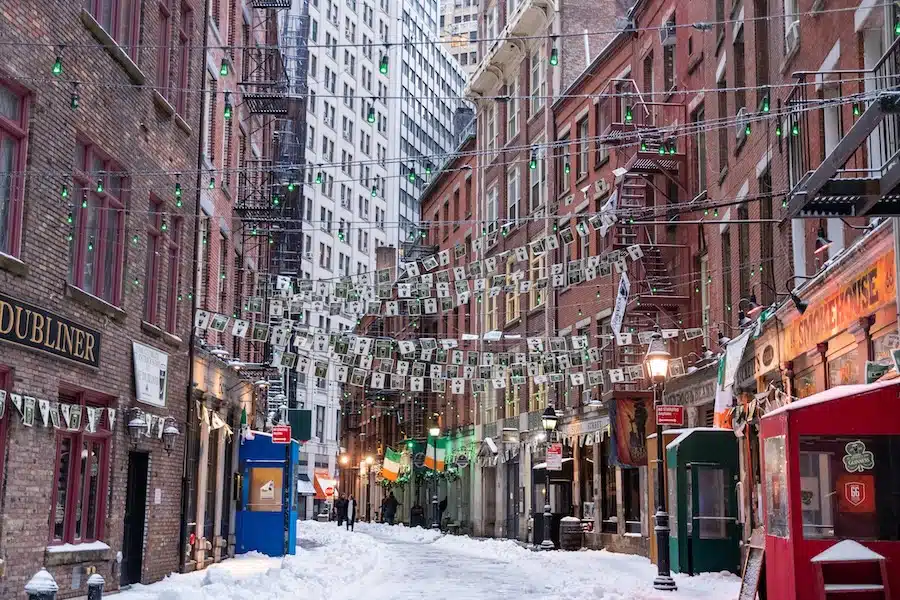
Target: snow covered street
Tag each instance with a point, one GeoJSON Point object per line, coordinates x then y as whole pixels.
{"type": "Point", "coordinates": [378, 562]}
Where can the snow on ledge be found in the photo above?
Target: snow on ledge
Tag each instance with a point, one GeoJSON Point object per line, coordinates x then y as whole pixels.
{"type": "Point", "coordinates": [84, 547]}
{"type": "Point", "coordinates": [835, 393]}
{"type": "Point", "coordinates": [847, 551]}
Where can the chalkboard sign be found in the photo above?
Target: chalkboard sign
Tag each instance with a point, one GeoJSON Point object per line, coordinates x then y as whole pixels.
{"type": "Point", "coordinates": [754, 565]}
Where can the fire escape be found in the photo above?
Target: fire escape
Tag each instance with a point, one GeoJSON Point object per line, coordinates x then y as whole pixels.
{"type": "Point", "coordinates": [650, 146]}
{"type": "Point", "coordinates": [856, 174]}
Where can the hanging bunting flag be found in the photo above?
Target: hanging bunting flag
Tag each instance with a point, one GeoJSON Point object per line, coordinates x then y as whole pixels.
{"type": "Point", "coordinates": [66, 410]}
{"type": "Point", "coordinates": [28, 410]}
{"type": "Point", "coordinates": [54, 414]}
{"type": "Point", "coordinates": [17, 401]}
{"type": "Point", "coordinates": [44, 407]}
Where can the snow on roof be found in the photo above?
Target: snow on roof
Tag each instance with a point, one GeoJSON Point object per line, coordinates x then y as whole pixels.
{"type": "Point", "coordinates": [683, 434]}
{"type": "Point", "coordinates": [835, 393]}
{"type": "Point", "coordinates": [846, 551]}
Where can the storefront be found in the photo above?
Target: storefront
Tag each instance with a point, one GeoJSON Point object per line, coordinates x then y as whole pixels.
{"type": "Point", "coordinates": [830, 474]}
{"type": "Point", "coordinates": [584, 436]}
{"type": "Point", "coordinates": [850, 319]}
{"type": "Point", "coordinates": [220, 396]}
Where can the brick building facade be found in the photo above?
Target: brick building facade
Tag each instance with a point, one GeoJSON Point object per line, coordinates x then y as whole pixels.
{"type": "Point", "coordinates": [97, 245]}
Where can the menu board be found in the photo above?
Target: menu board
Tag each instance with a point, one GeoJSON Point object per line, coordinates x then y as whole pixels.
{"type": "Point", "coordinates": [754, 565]}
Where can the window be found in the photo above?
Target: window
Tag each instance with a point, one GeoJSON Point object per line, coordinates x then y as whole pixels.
{"type": "Point", "coordinates": [697, 119]}
{"type": "Point", "coordinates": [512, 110]}
{"type": "Point", "coordinates": [154, 247]}
{"type": "Point", "coordinates": [562, 178]}
{"type": "Point", "coordinates": [538, 269]}
{"type": "Point", "coordinates": [791, 25]}
{"type": "Point", "coordinates": [648, 74]}
{"type": "Point", "coordinates": [726, 274]}
{"type": "Point", "coordinates": [163, 47]}
{"type": "Point", "coordinates": [183, 60]}
{"type": "Point", "coordinates": [537, 179]}
{"type": "Point", "coordinates": [608, 503]}
{"type": "Point", "coordinates": [512, 194]}
{"type": "Point", "coordinates": [324, 256]}
{"type": "Point", "coordinates": [722, 101]}
{"type": "Point", "coordinates": [120, 19]}
{"type": "Point", "coordinates": [313, 30]}
{"type": "Point", "coordinates": [740, 79]}
{"type": "Point", "coordinates": [490, 313]}
{"type": "Point", "coordinates": [513, 299]}
{"type": "Point", "coordinates": [766, 241]}
{"type": "Point", "coordinates": [176, 233]}
{"type": "Point", "coordinates": [761, 32]}
{"type": "Point", "coordinates": [631, 498]}
{"type": "Point", "coordinates": [98, 243]}
{"type": "Point", "coordinates": [538, 82]}
{"type": "Point", "coordinates": [603, 124]}
{"type": "Point", "coordinates": [81, 477]}
{"type": "Point", "coordinates": [490, 130]}
{"type": "Point", "coordinates": [669, 60]}
{"type": "Point", "coordinates": [704, 296]}
{"type": "Point", "coordinates": [745, 272]}
{"type": "Point", "coordinates": [776, 488]}
{"type": "Point", "coordinates": [582, 129]}
{"type": "Point", "coordinates": [13, 141]}
{"type": "Point", "coordinates": [492, 209]}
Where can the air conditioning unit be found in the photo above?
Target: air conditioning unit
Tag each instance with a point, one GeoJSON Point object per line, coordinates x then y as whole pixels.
{"type": "Point", "coordinates": [307, 256]}
{"type": "Point", "coordinates": [667, 34]}
{"type": "Point", "coordinates": [792, 37]}
{"type": "Point", "coordinates": [740, 123]}
{"type": "Point", "coordinates": [345, 204]}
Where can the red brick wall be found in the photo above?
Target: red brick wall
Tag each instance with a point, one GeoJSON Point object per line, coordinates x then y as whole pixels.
{"type": "Point", "coordinates": [123, 120]}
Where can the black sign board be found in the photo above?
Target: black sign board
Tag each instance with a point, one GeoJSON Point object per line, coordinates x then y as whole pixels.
{"type": "Point", "coordinates": [27, 325]}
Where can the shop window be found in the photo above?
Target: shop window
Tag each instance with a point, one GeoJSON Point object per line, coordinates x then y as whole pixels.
{"type": "Point", "coordinates": [631, 498]}
{"type": "Point", "coordinates": [81, 477]}
{"type": "Point", "coordinates": [212, 456]}
{"type": "Point", "coordinates": [608, 500]}
{"type": "Point", "coordinates": [883, 345]}
{"type": "Point", "coordinates": [805, 383]}
{"type": "Point", "coordinates": [844, 369]}
{"type": "Point", "coordinates": [776, 487]}
{"type": "Point", "coordinates": [848, 487]}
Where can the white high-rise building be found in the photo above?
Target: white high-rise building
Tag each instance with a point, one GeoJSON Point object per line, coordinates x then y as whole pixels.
{"type": "Point", "coordinates": [458, 27]}
{"type": "Point", "coordinates": [365, 130]}
{"type": "Point", "coordinates": [426, 89]}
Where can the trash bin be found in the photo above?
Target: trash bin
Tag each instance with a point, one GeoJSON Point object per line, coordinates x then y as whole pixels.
{"type": "Point", "coordinates": [570, 534]}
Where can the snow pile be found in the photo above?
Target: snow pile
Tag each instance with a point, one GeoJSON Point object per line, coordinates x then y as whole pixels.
{"type": "Point", "coordinates": [380, 562]}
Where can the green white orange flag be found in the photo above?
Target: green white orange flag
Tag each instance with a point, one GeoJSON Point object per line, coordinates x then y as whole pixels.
{"type": "Point", "coordinates": [390, 468]}
{"type": "Point", "coordinates": [436, 454]}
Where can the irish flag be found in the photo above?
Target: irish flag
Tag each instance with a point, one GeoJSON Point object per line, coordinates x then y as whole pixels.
{"type": "Point", "coordinates": [390, 468]}
{"type": "Point", "coordinates": [436, 453]}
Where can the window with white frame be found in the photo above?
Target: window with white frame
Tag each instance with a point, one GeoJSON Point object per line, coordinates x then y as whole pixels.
{"type": "Point", "coordinates": [492, 209]}
{"type": "Point", "coordinates": [512, 194]}
{"type": "Point", "coordinates": [513, 299]}
{"type": "Point", "coordinates": [538, 80]}
{"type": "Point", "coordinates": [512, 110]}
{"type": "Point", "coordinates": [537, 178]}
{"type": "Point", "coordinates": [538, 268]}
{"type": "Point", "coordinates": [490, 129]}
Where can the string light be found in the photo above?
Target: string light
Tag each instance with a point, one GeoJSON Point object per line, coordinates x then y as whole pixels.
{"type": "Point", "coordinates": [64, 191]}
{"type": "Point", "coordinates": [370, 117]}
{"type": "Point", "coordinates": [223, 70]}
{"type": "Point", "coordinates": [212, 183]}
{"type": "Point", "coordinates": [100, 185]}
{"type": "Point", "coordinates": [228, 108]}
{"type": "Point", "coordinates": [57, 68]}
{"type": "Point", "coordinates": [554, 53]}
{"type": "Point", "coordinates": [383, 64]}
{"type": "Point", "coordinates": [74, 99]}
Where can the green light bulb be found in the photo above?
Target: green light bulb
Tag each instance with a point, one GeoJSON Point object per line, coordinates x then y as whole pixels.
{"type": "Point", "coordinates": [57, 67]}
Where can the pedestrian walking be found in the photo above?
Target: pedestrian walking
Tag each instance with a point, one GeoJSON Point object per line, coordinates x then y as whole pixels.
{"type": "Point", "coordinates": [390, 508]}
{"type": "Point", "coordinates": [350, 512]}
{"type": "Point", "coordinates": [341, 505]}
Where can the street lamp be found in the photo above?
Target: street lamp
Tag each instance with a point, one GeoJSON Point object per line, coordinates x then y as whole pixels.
{"type": "Point", "coordinates": [657, 360]}
{"type": "Point", "coordinates": [369, 462]}
{"type": "Point", "coordinates": [548, 421]}
{"type": "Point", "coordinates": [435, 432]}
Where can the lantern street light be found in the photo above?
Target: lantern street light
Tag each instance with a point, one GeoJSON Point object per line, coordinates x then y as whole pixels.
{"type": "Point", "coordinates": [435, 433]}
{"type": "Point", "coordinates": [137, 425]}
{"type": "Point", "coordinates": [369, 461]}
{"type": "Point", "coordinates": [169, 434]}
{"type": "Point", "coordinates": [548, 421]}
{"type": "Point", "coordinates": [657, 361]}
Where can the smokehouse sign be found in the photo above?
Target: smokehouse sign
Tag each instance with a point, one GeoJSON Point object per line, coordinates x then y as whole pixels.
{"type": "Point", "coordinates": [27, 325]}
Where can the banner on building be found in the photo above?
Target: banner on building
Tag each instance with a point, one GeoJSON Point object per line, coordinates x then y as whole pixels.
{"type": "Point", "coordinates": [632, 420]}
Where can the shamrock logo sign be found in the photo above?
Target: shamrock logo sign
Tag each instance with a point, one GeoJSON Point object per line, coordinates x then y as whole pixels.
{"type": "Point", "coordinates": [858, 459]}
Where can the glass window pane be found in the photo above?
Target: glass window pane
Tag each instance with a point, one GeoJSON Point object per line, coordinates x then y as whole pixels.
{"type": "Point", "coordinates": [10, 104]}
{"type": "Point", "coordinates": [90, 243]}
{"type": "Point", "coordinates": [7, 165]}
{"type": "Point", "coordinates": [92, 484]}
{"type": "Point", "coordinates": [712, 508]}
{"type": "Point", "coordinates": [776, 487]}
{"type": "Point", "coordinates": [815, 495]}
{"type": "Point", "coordinates": [111, 253]}
{"type": "Point", "coordinates": [79, 508]}
{"type": "Point", "coordinates": [62, 488]}
{"type": "Point", "coordinates": [844, 370]}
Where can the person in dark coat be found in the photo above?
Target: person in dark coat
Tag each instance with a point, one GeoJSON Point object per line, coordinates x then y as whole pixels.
{"type": "Point", "coordinates": [341, 506]}
{"type": "Point", "coordinates": [350, 511]}
{"type": "Point", "coordinates": [390, 508]}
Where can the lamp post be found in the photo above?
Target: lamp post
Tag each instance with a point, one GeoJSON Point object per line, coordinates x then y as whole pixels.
{"type": "Point", "coordinates": [657, 361]}
{"type": "Point", "coordinates": [548, 421]}
{"type": "Point", "coordinates": [369, 462]}
{"type": "Point", "coordinates": [435, 432]}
